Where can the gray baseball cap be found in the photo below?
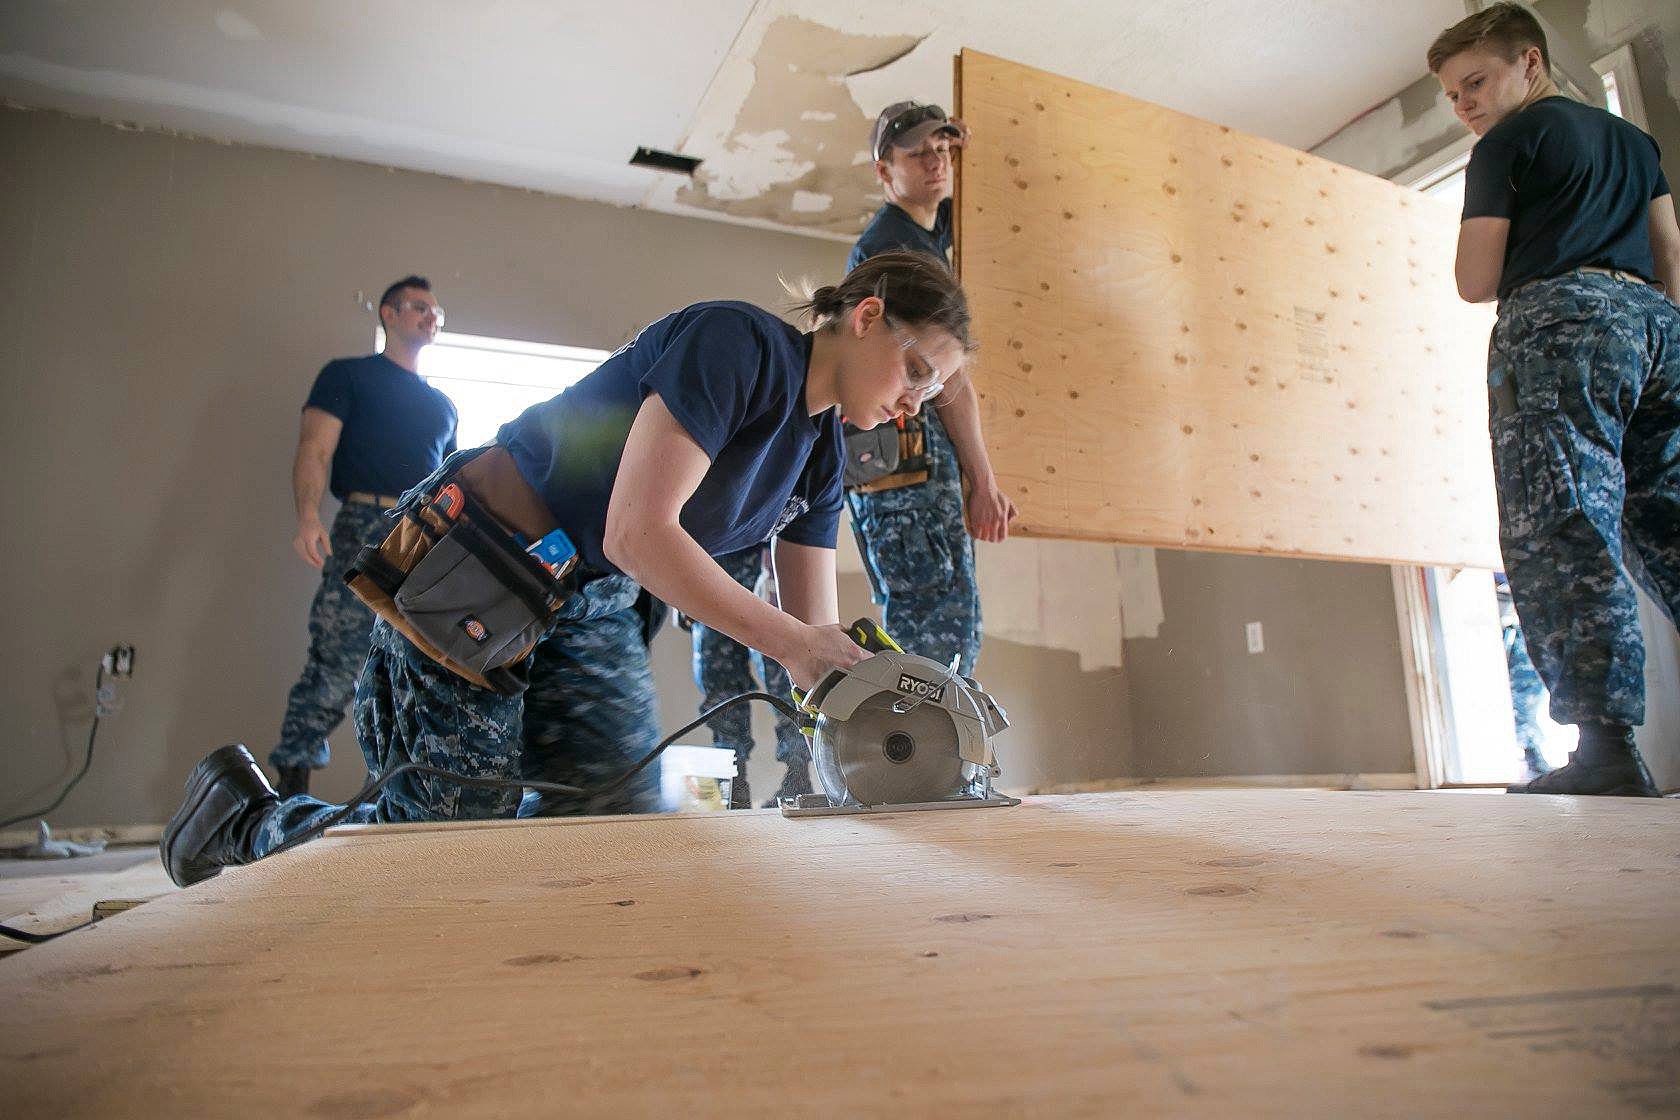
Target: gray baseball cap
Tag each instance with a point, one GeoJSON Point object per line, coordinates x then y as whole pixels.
{"type": "Point", "coordinates": [905, 124]}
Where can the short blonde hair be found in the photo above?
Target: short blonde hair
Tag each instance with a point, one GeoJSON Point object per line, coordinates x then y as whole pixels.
{"type": "Point", "coordinates": [1507, 29]}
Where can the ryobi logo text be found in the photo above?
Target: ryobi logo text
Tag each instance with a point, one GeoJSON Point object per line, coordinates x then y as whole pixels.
{"type": "Point", "coordinates": [916, 686]}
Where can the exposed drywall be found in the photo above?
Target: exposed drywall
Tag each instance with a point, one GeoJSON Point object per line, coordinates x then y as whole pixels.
{"type": "Point", "coordinates": [1084, 596]}
{"type": "Point", "coordinates": [795, 153]}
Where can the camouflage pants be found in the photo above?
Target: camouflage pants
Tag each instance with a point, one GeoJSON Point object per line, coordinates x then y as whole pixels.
{"type": "Point", "coordinates": [1584, 407]}
{"type": "Point", "coordinates": [1527, 691]}
{"type": "Point", "coordinates": [586, 714]}
{"type": "Point", "coordinates": [920, 558]}
{"type": "Point", "coordinates": [339, 625]}
{"type": "Point", "coordinates": [724, 667]}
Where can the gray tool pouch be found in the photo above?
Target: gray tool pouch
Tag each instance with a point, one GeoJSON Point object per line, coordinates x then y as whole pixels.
{"type": "Point", "coordinates": [871, 454]}
{"type": "Point", "coordinates": [480, 605]}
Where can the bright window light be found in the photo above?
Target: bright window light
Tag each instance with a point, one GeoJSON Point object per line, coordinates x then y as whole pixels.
{"type": "Point", "coordinates": [492, 380]}
{"type": "Point", "coordinates": [1613, 94]}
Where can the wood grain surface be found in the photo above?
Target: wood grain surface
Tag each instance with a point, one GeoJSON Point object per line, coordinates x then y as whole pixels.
{"type": "Point", "coordinates": [1218, 953]}
{"type": "Point", "coordinates": [1195, 338]}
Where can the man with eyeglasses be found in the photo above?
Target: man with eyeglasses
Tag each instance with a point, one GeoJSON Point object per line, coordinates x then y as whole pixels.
{"type": "Point", "coordinates": [371, 429]}
{"type": "Point", "coordinates": [916, 529]}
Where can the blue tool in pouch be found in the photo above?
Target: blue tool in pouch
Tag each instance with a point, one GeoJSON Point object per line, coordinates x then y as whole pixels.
{"type": "Point", "coordinates": [555, 551]}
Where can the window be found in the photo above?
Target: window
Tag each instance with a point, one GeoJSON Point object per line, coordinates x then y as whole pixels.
{"type": "Point", "coordinates": [492, 380]}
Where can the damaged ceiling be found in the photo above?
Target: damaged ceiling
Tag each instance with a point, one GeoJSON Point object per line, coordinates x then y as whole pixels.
{"type": "Point", "coordinates": [776, 96]}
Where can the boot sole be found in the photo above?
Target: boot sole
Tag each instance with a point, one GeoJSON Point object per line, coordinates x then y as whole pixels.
{"type": "Point", "coordinates": [199, 787]}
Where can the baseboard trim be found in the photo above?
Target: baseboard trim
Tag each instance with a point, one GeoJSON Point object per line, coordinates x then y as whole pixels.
{"type": "Point", "coordinates": [112, 834]}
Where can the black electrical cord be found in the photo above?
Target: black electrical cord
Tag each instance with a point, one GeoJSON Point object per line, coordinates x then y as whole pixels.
{"type": "Point", "coordinates": [38, 938]}
{"type": "Point", "coordinates": [374, 785]}
{"type": "Point", "coordinates": [93, 732]}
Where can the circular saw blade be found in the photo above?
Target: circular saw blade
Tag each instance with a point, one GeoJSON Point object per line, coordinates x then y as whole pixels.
{"type": "Point", "coordinates": [879, 757]}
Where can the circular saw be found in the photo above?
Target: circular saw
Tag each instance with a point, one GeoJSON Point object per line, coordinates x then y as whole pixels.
{"type": "Point", "coordinates": [897, 732]}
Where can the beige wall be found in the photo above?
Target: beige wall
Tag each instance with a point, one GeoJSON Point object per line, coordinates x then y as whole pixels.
{"type": "Point", "coordinates": [1325, 696]}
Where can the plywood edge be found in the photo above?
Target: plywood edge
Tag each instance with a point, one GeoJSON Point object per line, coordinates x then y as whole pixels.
{"type": "Point", "coordinates": [374, 831]}
{"type": "Point", "coordinates": [1056, 533]}
{"type": "Point", "coordinates": [1412, 197]}
{"type": "Point", "coordinates": [1354, 781]}
{"type": "Point", "coordinates": [957, 166]}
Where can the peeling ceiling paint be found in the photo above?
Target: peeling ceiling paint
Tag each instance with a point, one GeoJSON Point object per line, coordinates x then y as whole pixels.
{"type": "Point", "coordinates": [808, 177]}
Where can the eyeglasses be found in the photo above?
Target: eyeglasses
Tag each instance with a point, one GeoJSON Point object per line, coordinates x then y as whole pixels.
{"type": "Point", "coordinates": [925, 379]}
{"type": "Point", "coordinates": [421, 308]}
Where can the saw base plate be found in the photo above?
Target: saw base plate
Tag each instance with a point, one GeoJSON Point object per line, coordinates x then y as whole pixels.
{"type": "Point", "coordinates": [818, 805]}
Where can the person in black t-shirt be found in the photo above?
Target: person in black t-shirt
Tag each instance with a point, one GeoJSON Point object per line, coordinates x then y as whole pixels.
{"type": "Point", "coordinates": [1569, 221]}
{"type": "Point", "coordinates": [371, 429]}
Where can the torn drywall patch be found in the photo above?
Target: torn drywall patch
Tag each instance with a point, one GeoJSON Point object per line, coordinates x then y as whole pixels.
{"type": "Point", "coordinates": [793, 151]}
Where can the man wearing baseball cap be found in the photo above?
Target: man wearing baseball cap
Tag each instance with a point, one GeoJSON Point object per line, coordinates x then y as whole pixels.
{"type": "Point", "coordinates": [915, 531]}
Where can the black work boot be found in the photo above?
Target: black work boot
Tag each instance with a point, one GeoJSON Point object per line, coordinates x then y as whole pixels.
{"type": "Point", "coordinates": [796, 781]}
{"type": "Point", "coordinates": [228, 798]}
{"type": "Point", "coordinates": [293, 781]}
{"type": "Point", "coordinates": [1604, 764]}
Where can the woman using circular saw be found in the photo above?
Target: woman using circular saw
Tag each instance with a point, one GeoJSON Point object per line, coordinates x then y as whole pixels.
{"type": "Point", "coordinates": [716, 429]}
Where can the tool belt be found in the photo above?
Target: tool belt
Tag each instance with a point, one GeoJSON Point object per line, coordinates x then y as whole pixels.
{"type": "Point", "coordinates": [886, 456]}
{"type": "Point", "coordinates": [454, 577]}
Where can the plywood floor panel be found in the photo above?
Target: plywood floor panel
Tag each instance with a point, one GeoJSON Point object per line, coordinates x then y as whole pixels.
{"type": "Point", "coordinates": [1207, 953]}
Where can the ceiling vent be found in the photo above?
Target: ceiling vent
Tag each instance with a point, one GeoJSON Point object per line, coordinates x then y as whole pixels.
{"type": "Point", "coordinates": [664, 161]}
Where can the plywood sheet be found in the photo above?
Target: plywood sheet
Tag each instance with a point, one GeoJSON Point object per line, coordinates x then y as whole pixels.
{"type": "Point", "coordinates": [1195, 338]}
{"type": "Point", "coordinates": [1222, 953]}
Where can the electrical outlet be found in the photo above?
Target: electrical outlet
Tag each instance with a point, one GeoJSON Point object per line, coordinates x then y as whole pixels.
{"type": "Point", "coordinates": [1256, 638]}
{"type": "Point", "coordinates": [119, 662]}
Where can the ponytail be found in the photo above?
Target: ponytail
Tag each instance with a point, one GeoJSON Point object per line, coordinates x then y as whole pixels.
{"type": "Point", "coordinates": [917, 289]}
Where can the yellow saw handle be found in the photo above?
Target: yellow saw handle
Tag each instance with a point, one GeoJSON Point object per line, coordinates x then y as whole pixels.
{"type": "Point", "coordinates": [870, 636]}
{"type": "Point", "coordinates": [868, 633]}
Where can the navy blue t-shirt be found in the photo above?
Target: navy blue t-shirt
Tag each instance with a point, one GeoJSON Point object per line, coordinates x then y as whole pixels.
{"type": "Point", "coordinates": [733, 375]}
{"type": "Point", "coordinates": [1576, 183]}
{"type": "Point", "coordinates": [397, 428]}
{"type": "Point", "coordinates": [891, 229]}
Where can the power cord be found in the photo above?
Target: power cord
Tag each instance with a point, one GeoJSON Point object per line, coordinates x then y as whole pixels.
{"type": "Point", "coordinates": [374, 785]}
{"type": "Point", "coordinates": [103, 697]}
